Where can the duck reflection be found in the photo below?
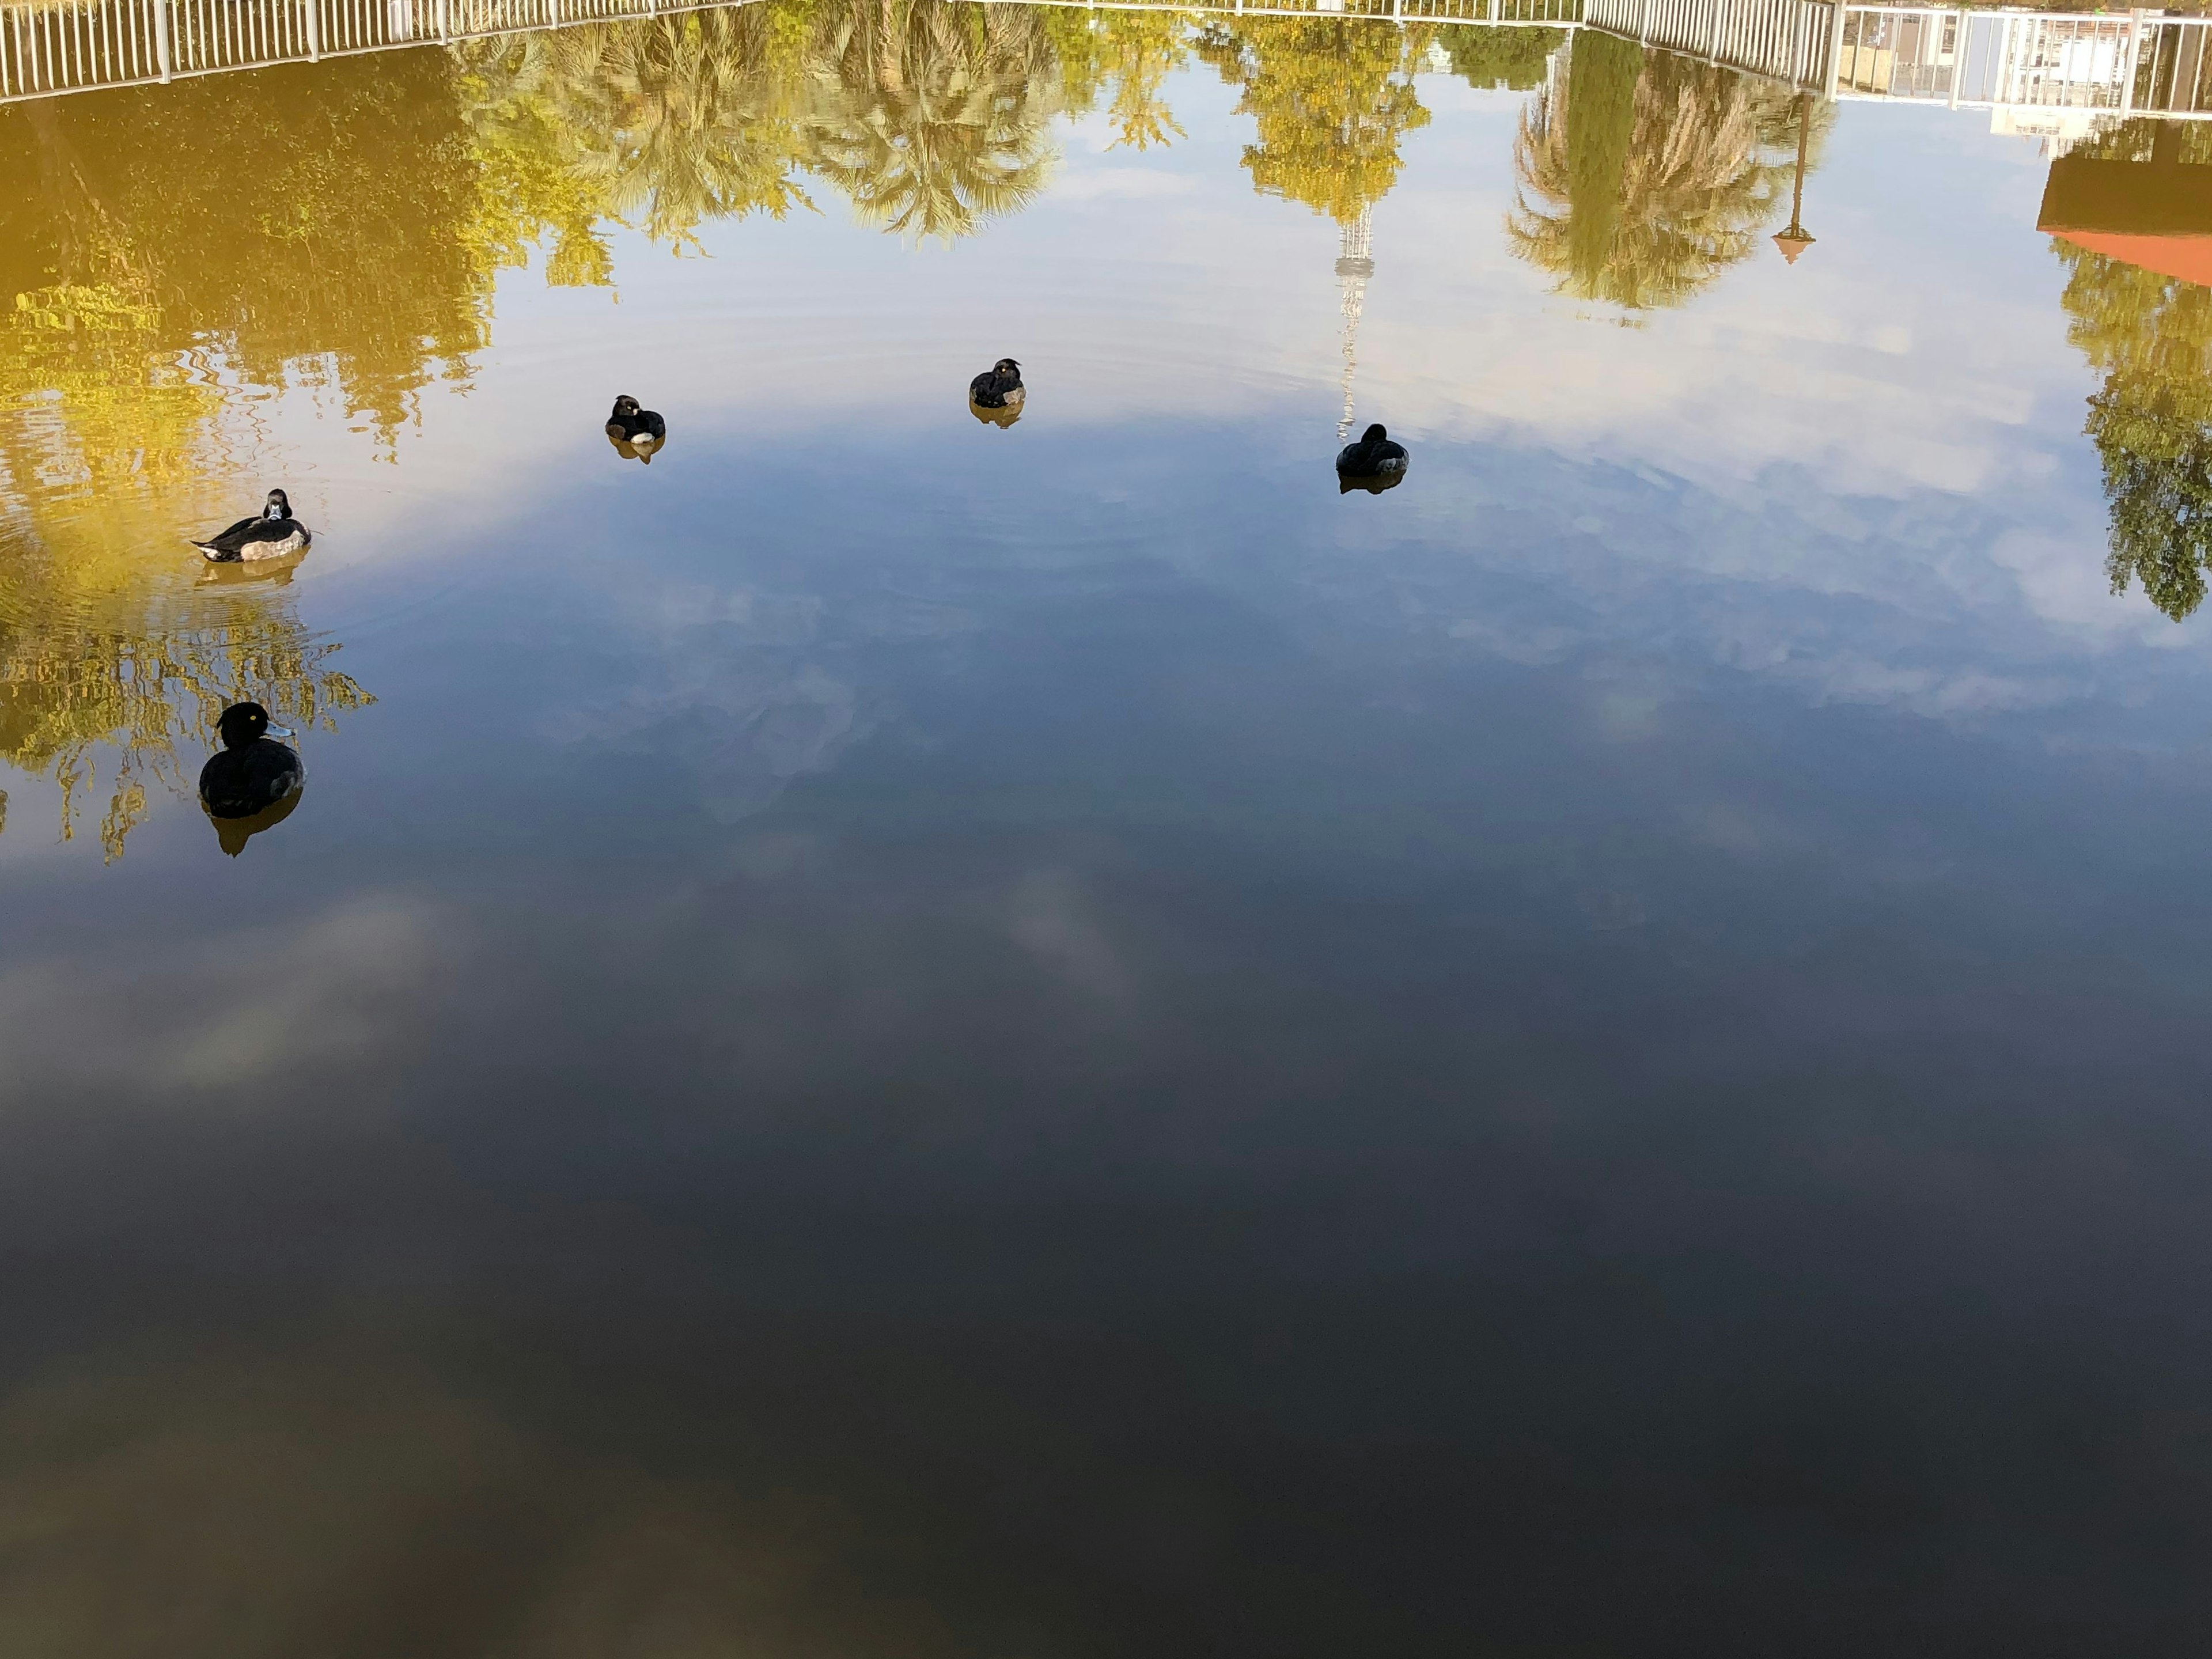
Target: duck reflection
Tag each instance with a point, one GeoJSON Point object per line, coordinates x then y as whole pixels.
{"type": "Point", "coordinates": [232, 833]}
{"type": "Point", "coordinates": [642, 449]}
{"type": "Point", "coordinates": [262, 572]}
{"type": "Point", "coordinates": [637, 434]}
{"type": "Point", "coordinates": [1373, 486]}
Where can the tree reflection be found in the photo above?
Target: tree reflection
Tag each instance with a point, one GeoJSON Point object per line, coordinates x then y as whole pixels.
{"type": "Point", "coordinates": [1134, 51]}
{"type": "Point", "coordinates": [1516, 58]}
{"type": "Point", "coordinates": [323, 227]}
{"type": "Point", "coordinates": [931, 116]}
{"type": "Point", "coordinates": [1650, 174]}
{"type": "Point", "coordinates": [1330, 99]}
{"type": "Point", "coordinates": [139, 682]}
{"type": "Point", "coordinates": [661, 125]}
{"type": "Point", "coordinates": [2150, 336]}
{"type": "Point", "coordinates": [281, 238]}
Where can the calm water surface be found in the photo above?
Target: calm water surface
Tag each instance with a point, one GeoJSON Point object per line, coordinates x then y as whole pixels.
{"type": "Point", "coordinates": [892, 1035]}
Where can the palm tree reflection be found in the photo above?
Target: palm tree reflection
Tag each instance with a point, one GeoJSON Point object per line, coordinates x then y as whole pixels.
{"type": "Point", "coordinates": [931, 117]}
{"type": "Point", "coordinates": [662, 124]}
{"type": "Point", "coordinates": [1644, 175]}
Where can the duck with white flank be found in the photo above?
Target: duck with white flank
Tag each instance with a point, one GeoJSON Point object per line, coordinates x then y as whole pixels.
{"type": "Point", "coordinates": [998, 386]}
{"type": "Point", "coordinates": [253, 772]}
{"type": "Point", "coordinates": [634, 431]}
{"type": "Point", "coordinates": [1373, 464]}
{"type": "Point", "coordinates": [271, 536]}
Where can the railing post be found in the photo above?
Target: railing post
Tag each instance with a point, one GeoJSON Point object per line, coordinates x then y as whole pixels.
{"type": "Point", "coordinates": [314, 30]}
{"type": "Point", "coordinates": [2132, 56]}
{"type": "Point", "coordinates": [162, 39]}
{"type": "Point", "coordinates": [444, 21]}
{"type": "Point", "coordinates": [1959, 55]}
{"type": "Point", "coordinates": [1835, 48]}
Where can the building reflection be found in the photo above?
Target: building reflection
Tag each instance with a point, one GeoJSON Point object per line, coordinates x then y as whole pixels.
{"type": "Point", "coordinates": [2129, 213]}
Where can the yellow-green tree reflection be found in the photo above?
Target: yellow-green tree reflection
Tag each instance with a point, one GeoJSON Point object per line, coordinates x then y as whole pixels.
{"type": "Point", "coordinates": [660, 124]}
{"type": "Point", "coordinates": [2150, 336]}
{"type": "Point", "coordinates": [1134, 52]}
{"type": "Point", "coordinates": [137, 265]}
{"type": "Point", "coordinates": [1330, 100]}
{"type": "Point", "coordinates": [1646, 175]}
{"type": "Point", "coordinates": [1516, 58]}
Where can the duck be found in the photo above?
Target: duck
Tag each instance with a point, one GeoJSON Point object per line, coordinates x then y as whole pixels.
{"type": "Point", "coordinates": [270, 535]}
{"type": "Point", "coordinates": [635, 431]}
{"type": "Point", "coordinates": [252, 772]}
{"type": "Point", "coordinates": [1374, 456]}
{"type": "Point", "coordinates": [998, 386]}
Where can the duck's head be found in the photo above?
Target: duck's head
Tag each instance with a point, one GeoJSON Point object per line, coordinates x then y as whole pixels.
{"type": "Point", "coordinates": [1007, 366]}
{"type": "Point", "coordinates": [625, 407]}
{"type": "Point", "coordinates": [245, 723]}
{"type": "Point", "coordinates": [278, 506]}
{"type": "Point", "coordinates": [1375, 435]}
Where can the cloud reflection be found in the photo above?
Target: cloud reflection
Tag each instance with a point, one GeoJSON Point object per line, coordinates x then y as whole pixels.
{"type": "Point", "coordinates": [259, 1504]}
{"type": "Point", "coordinates": [243, 1018]}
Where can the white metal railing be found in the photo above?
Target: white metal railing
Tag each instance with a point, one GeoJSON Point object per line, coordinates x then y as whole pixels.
{"type": "Point", "coordinates": [52, 46]}
{"type": "Point", "coordinates": [1788, 40]}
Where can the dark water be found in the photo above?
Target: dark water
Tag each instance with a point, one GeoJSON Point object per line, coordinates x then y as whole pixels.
{"type": "Point", "coordinates": [888, 1036]}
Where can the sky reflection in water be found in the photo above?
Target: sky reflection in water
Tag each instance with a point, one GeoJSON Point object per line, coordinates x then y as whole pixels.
{"type": "Point", "coordinates": [892, 1036]}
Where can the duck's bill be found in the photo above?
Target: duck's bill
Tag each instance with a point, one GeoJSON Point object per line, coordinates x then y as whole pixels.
{"type": "Point", "coordinates": [281, 732]}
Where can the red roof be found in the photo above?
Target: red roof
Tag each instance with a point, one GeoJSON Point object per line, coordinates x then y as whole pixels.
{"type": "Point", "coordinates": [2189, 258]}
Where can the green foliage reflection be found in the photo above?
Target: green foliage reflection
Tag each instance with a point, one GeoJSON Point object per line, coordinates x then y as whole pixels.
{"type": "Point", "coordinates": [1515, 57]}
{"type": "Point", "coordinates": [1650, 174]}
{"type": "Point", "coordinates": [1330, 100]}
{"type": "Point", "coordinates": [2150, 337]}
{"type": "Point", "coordinates": [153, 251]}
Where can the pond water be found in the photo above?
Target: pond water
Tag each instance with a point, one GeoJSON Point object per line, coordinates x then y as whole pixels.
{"type": "Point", "coordinates": [894, 1034]}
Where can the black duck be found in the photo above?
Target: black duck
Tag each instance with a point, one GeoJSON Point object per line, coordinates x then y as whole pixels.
{"type": "Point", "coordinates": [998, 386]}
{"type": "Point", "coordinates": [1373, 458]}
{"type": "Point", "coordinates": [252, 771]}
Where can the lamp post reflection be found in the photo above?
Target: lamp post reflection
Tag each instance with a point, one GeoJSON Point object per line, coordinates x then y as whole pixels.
{"type": "Point", "coordinates": [1796, 239]}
